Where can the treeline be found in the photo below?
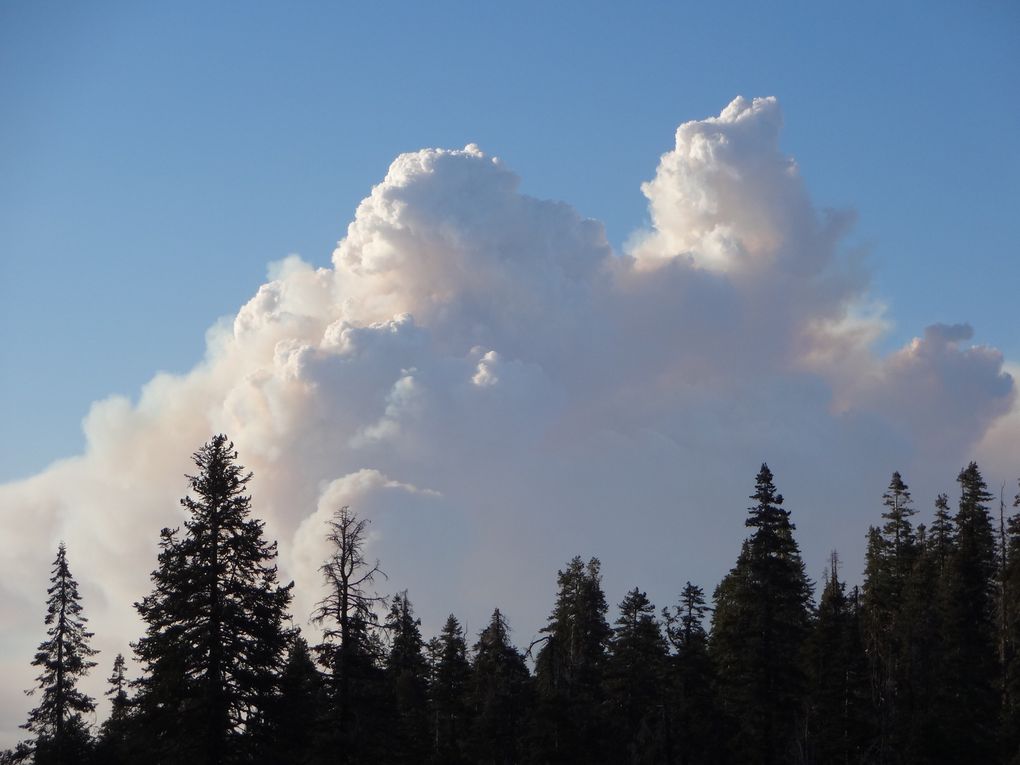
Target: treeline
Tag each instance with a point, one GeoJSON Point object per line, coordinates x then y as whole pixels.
{"type": "Point", "coordinates": [919, 665]}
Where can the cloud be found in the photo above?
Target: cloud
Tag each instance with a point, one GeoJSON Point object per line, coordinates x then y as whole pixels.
{"type": "Point", "coordinates": [483, 377]}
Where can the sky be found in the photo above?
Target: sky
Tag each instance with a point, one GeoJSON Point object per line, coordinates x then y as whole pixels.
{"type": "Point", "coordinates": [516, 282]}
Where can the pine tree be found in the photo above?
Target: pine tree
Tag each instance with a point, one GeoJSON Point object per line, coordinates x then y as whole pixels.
{"type": "Point", "coordinates": [407, 671]}
{"type": "Point", "coordinates": [61, 735]}
{"type": "Point", "coordinates": [692, 736]}
{"type": "Point", "coordinates": [451, 676]}
{"type": "Point", "coordinates": [215, 634]}
{"type": "Point", "coordinates": [569, 667]}
{"type": "Point", "coordinates": [760, 623]}
{"type": "Point", "coordinates": [971, 670]}
{"type": "Point", "coordinates": [351, 651]}
{"type": "Point", "coordinates": [635, 692]}
{"type": "Point", "coordinates": [498, 697]}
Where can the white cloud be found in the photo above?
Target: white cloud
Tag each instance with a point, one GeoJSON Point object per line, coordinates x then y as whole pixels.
{"type": "Point", "coordinates": [483, 377]}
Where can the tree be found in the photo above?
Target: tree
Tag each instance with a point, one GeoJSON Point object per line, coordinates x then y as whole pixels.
{"type": "Point", "coordinates": [1011, 616]}
{"type": "Point", "coordinates": [351, 650]}
{"type": "Point", "coordinates": [761, 620]}
{"type": "Point", "coordinates": [692, 734]}
{"type": "Point", "coordinates": [890, 558]}
{"type": "Point", "coordinates": [839, 729]}
{"type": "Point", "coordinates": [61, 735]}
{"type": "Point", "coordinates": [299, 713]}
{"type": "Point", "coordinates": [499, 696]}
{"type": "Point", "coordinates": [407, 671]}
{"type": "Point", "coordinates": [215, 635]}
{"type": "Point", "coordinates": [451, 676]}
{"type": "Point", "coordinates": [569, 667]}
{"type": "Point", "coordinates": [635, 692]}
{"type": "Point", "coordinates": [112, 747]}
{"type": "Point", "coordinates": [971, 667]}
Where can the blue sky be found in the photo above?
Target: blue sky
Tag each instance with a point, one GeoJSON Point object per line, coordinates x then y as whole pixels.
{"type": "Point", "coordinates": [473, 369]}
{"type": "Point", "coordinates": [155, 157]}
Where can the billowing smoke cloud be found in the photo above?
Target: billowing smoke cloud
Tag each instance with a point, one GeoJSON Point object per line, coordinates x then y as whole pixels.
{"type": "Point", "coordinates": [482, 376]}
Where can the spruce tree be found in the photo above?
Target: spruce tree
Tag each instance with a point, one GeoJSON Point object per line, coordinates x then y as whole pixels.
{"type": "Point", "coordinates": [635, 691]}
{"type": "Point", "coordinates": [215, 635]}
{"type": "Point", "coordinates": [451, 675]}
{"type": "Point", "coordinates": [761, 620]}
{"type": "Point", "coordinates": [499, 696]}
{"type": "Point", "coordinates": [1011, 659]}
{"type": "Point", "coordinates": [570, 665]}
{"type": "Point", "coordinates": [61, 736]}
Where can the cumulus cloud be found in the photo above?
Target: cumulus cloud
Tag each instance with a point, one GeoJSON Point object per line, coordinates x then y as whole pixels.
{"type": "Point", "coordinates": [483, 377]}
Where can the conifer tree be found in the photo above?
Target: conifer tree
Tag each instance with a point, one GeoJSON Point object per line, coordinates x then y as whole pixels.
{"type": "Point", "coordinates": [971, 670]}
{"type": "Point", "coordinates": [692, 735]}
{"type": "Point", "coordinates": [61, 736]}
{"type": "Point", "coordinates": [760, 623]}
{"type": "Point", "coordinates": [569, 667]}
{"type": "Point", "coordinates": [839, 730]}
{"type": "Point", "coordinates": [299, 713]}
{"type": "Point", "coordinates": [112, 746]}
{"type": "Point", "coordinates": [1011, 607]}
{"type": "Point", "coordinates": [351, 651]}
{"type": "Point", "coordinates": [499, 696]}
{"type": "Point", "coordinates": [215, 635]}
{"type": "Point", "coordinates": [407, 671]}
{"type": "Point", "coordinates": [451, 676]}
{"type": "Point", "coordinates": [890, 557]}
{"type": "Point", "coordinates": [635, 692]}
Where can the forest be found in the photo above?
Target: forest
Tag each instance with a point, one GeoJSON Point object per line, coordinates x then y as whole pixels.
{"type": "Point", "coordinates": [920, 664]}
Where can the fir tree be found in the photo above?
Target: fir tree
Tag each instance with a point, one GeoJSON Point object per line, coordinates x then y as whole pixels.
{"type": "Point", "coordinates": [691, 738]}
{"type": "Point", "coordinates": [634, 672]}
{"type": "Point", "coordinates": [890, 557]}
{"type": "Point", "coordinates": [1011, 659]}
{"type": "Point", "coordinates": [569, 667]}
{"type": "Point", "coordinates": [839, 730]}
{"type": "Point", "coordinates": [215, 634]}
{"type": "Point", "coordinates": [299, 714]}
{"type": "Point", "coordinates": [407, 670]}
{"type": "Point", "coordinates": [760, 623]}
{"type": "Point", "coordinates": [498, 697]}
{"type": "Point", "coordinates": [60, 734]}
{"type": "Point", "coordinates": [451, 676]}
{"type": "Point", "coordinates": [971, 670]}
{"type": "Point", "coordinates": [112, 746]}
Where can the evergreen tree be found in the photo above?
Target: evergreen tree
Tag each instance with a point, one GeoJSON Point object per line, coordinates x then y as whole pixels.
{"type": "Point", "coordinates": [451, 677]}
{"type": "Point", "coordinates": [569, 667]}
{"type": "Point", "coordinates": [498, 697]}
{"type": "Point", "coordinates": [299, 713]}
{"type": "Point", "coordinates": [760, 623]}
{"type": "Point", "coordinates": [352, 652]}
{"type": "Point", "coordinates": [215, 634]}
{"type": "Point", "coordinates": [890, 557]}
{"type": "Point", "coordinates": [971, 669]}
{"type": "Point", "coordinates": [839, 730]}
{"type": "Point", "coordinates": [61, 735]}
{"type": "Point", "coordinates": [1011, 658]}
{"type": "Point", "coordinates": [635, 692]}
{"type": "Point", "coordinates": [112, 746]}
{"type": "Point", "coordinates": [407, 670]}
{"type": "Point", "coordinates": [692, 735]}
